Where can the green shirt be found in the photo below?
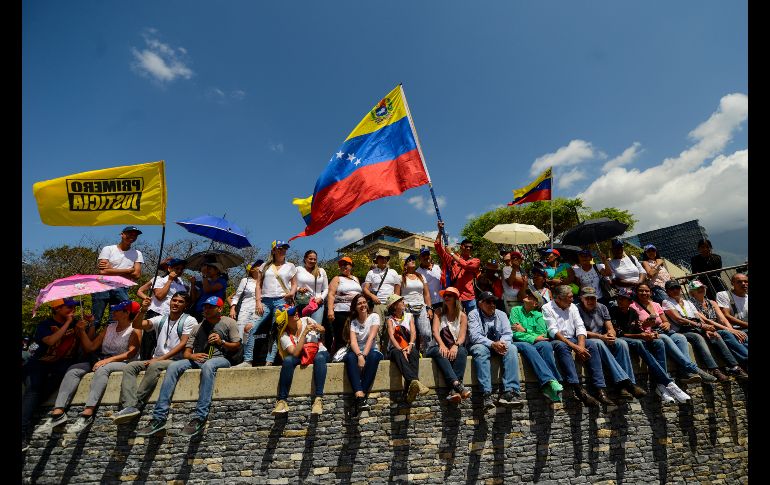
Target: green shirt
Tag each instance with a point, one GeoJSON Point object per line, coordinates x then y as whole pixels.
{"type": "Point", "coordinates": [532, 322]}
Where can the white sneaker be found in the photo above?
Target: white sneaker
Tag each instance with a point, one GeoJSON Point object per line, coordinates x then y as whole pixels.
{"type": "Point", "coordinates": [677, 393]}
{"type": "Point", "coordinates": [47, 426]}
{"type": "Point", "coordinates": [80, 424]}
{"type": "Point", "coordinates": [665, 396]}
{"type": "Point", "coordinates": [244, 364]}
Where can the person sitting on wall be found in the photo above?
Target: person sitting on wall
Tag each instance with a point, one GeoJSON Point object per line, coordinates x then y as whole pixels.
{"type": "Point", "coordinates": [735, 302]}
{"type": "Point", "coordinates": [173, 331]}
{"type": "Point", "coordinates": [614, 352]}
{"type": "Point", "coordinates": [212, 345]}
{"type": "Point", "coordinates": [491, 336]}
{"type": "Point", "coordinates": [402, 350]}
{"type": "Point", "coordinates": [450, 332]}
{"type": "Point", "coordinates": [363, 356]}
{"type": "Point", "coordinates": [626, 269]}
{"type": "Point", "coordinates": [568, 334]}
{"type": "Point", "coordinates": [300, 342]}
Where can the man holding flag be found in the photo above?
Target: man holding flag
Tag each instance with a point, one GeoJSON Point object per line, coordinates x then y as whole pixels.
{"type": "Point", "coordinates": [461, 268]}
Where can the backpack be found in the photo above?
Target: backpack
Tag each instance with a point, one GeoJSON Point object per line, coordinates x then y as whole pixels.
{"type": "Point", "coordinates": [179, 323]}
{"type": "Point", "coordinates": [150, 339]}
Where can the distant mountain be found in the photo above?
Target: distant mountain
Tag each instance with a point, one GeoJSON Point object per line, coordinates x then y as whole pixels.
{"type": "Point", "coordinates": [733, 246]}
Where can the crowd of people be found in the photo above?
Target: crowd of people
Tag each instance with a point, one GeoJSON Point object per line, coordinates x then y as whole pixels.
{"type": "Point", "coordinates": [553, 315]}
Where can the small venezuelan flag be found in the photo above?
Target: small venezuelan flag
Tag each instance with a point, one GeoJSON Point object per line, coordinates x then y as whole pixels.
{"type": "Point", "coordinates": [379, 158]}
{"type": "Point", "coordinates": [540, 189]}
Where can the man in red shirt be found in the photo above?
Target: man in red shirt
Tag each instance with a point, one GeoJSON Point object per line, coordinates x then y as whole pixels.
{"type": "Point", "coordinates": [462, 268]}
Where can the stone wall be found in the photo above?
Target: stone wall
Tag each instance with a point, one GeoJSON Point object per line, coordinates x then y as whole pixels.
{"type": "Point", "coordinates": [431, 441]}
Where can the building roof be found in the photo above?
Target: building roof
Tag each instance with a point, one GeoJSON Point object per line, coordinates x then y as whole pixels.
{"type": "Point", "coordinates": [385, 233]}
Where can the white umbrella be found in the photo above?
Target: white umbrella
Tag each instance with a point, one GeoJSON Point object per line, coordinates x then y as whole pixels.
{"type": "Point", "coordinates": [516, 234]}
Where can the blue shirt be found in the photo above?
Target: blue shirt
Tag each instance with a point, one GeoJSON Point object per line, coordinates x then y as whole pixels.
{"type": "Point", "coordinates": [220, 293]}
{"type": "Point", "coordinates": [484, 329]}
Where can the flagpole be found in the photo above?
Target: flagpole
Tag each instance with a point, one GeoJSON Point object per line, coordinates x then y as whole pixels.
{"type": "Point", "coordinates": [422, 159]}
{"type": "Point", "coordinates": [553, 187]}
{"type": "Point", "coordinates": [160, 255]}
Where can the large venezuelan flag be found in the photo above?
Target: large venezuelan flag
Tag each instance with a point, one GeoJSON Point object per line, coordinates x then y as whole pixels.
{"type": "Point", "coordinates": [540, 189]}
{"type": "Point", "coordinates": [378, 159]}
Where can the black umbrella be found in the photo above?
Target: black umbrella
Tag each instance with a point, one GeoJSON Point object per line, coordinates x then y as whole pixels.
{"type": "Point", "coordinates": [225, 258]}
{"type": "Point", "coordinates": [593, 231]}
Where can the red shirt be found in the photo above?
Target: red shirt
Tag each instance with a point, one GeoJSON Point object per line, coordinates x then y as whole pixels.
{"type": "Point", "coordinates": [462, 272]}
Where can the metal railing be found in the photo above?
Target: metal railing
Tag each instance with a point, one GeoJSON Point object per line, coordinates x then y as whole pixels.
{"type": "Point", "coordinates": [716, 280]}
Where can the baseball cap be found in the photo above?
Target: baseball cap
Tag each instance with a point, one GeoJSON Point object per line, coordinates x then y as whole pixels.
{"type": "Point", "coordinates": [617, 243]}
{"type": "Point", "coordinates": [131, 228]}
{"type": "Point", "coordinates": [345, 259]}
{"type": "Point", "coordinates": [491, 264]}
{"type": "Point", "coordinates": [411, 257]}
{"type": "Point", "coordinates": [694, 285]}
{"type": "Point", "coordinates": [127, 305]}
{"type": "Point", "coordinates": [650, 246]}
{"type": "Point", "coordinates": [486, 295]}
{"type": "Point", "coordinates": [554, 251]}
{"type": "Point", "coordinates": [63, 301]}
{"type": "Point", "coordinates": [516, 254]}
{"type": "Point", "coordinates": [588, 291]}
{"type": "Point", "coordinates": [279, 244]}
{"type": "Point", "coordinates": [214, 301]}
{"type": "Point", "coordinates": [625, 293]}
{"type": "Point", "coordinates": [672, 284]}
{"type": "Point", "coordinates": [424, 250]}
{"type": "Point", "coordinates": [176, 262]}
{"type": "Point", "coordinates": [255, 264]}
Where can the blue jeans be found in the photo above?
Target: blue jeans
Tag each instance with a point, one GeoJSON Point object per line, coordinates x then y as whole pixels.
{"type": "Point", "coordinates": [563, 354]}
{"type": "Point", "coordinates": [739, 350]}
{"type": "Point", "coordinates": [653, 354]}
{"type": "Point", "coordinates": [101, 299]}
{"type": "Point", "coordinates": [287, 373]}
{"type": "Point", "coordinates": [610, 354]}
{"type": "Point", "coordinates": [510, 365]}
{"type": "Point", "coordinates": [205, 391]}
{"type": "Point", "coordinates": [540, 357]}
{"type": "Point", "coordinates": [453, 371]}
{"type": "Point", "coordinates": [701, 349]}
{"type": "Point", "coordinates": [678, 350]}
{"type": "Point", "coordinates": [658, 294]}
{"type": "Point", "coordinates": [268, 315]}
{"type": "Point", "coordinates": [469, 305]}
{"type": "Point", "coordinates": [362, 379]}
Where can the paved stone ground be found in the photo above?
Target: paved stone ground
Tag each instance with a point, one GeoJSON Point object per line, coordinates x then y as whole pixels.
{"type": "Point", "coordinates": [429, 442]}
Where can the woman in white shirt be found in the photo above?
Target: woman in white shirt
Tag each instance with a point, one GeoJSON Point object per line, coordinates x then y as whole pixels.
{"type": "Point", "coordinates": [298, 335]}
{"type": "Point", "coordinates": [342, 289]}
{"type": "Point", "coordinates": [312, 283]}
{"type": "Point", "coordinates": [627, 270]}
{"type": "Point", "coordinates": [416, 295]}
{"type": "Point", "coordinates": [448, 346]}
{"type": "Point", "coordinates": [246, 295]}
{"type": "Point", "coordinates": [363, 357]}
{"type": "Point", "coordinates": [275, 287]}
{"type": "Point", "coordinates": [401, 346]}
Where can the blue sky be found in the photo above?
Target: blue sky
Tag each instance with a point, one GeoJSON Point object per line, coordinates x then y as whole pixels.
{"type": "Point", "coordinates": [641, 106]}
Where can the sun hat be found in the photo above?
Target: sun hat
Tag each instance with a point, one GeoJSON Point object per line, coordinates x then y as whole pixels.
{"type": "Point", "coordinates": [450, 289]}
{"type": "Point", "coordinates": [382, 253]}
{"type": "Point", "coordinates": [345, 259]}
{"type": "Point", "coordinates": [393, 299]}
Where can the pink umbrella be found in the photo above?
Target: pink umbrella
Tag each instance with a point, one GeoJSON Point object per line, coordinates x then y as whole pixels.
{"type": "Point", "coordinates": [78, 285]}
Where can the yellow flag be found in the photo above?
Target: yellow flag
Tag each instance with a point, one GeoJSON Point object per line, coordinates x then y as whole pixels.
{"type": "Point", "coordinates": [133, 194]}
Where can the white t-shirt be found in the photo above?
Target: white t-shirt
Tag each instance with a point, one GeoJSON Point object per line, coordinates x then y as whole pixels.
{"type": "Point", "coordinates": [347, 288]}
{"type": "Point", "coordinates": [319, 287]}
{"type": "Point", "coordinates": [362, 331]}
{"type": "Point", "coordinates": [286, 339]}
{"type": "Point", "coordinates": [164, 307]}
{"type": "Point", "coordinates": [433, 277]}
{"type": "Point", "coordinates": [509, 293]}
{"type": "Point", "coordinates": [741, 305]}
{"type": "Point", "coordinates": [120, 259]}
{"type": "Point", "coordinates": [246, 287]}
{"type": "Point", "coordinates": [168, 337]}
{"type": "Point", "coordinates": [590, 278]}
{"type": "Point", "coordinates": [412, 291]}
{"type": "Point", "coordinates": [270, 286]}
{"type": "Point", "coordinates": [567, 322]}
{"type": "Point", "coordinates": [625, 269]}
{"type": "Point", "coordinates": [374, 276]}
{"type": "Point", "coordinates": [686, 310]}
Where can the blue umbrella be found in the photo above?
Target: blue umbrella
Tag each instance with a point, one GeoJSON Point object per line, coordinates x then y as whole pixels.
{"type": "Point", "coordinates": [217, 229]}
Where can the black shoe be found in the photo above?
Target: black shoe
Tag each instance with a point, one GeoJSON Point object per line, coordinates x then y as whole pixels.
{"type": "Point", "coordinates": [582, 395]}
{"type": "Point", "coordinates": [738, 373]}
{"type": "Point", "coordinates": [601, 396]}
{"type": "Point", "coordinates": [155, 426]}
{"type": "Point", "coordinates": [719, 375]}
{"type": "Point", "coordinates": [194, 427]}
{"type": "Point", "coordinates": [510, 399]}
{"type": "Point", "coordinates": [693, 378]}
{"type": "Point", "coordinates": [488, 402]}
{"type": "Point", "coordinates": [363, 403]}
{"type": "Point", "coordinates": [624, 395]}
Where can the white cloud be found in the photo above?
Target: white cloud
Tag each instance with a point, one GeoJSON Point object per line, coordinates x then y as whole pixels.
{"type": "Point", "coordinates": [425, 204]}
{"type": "Point", "coordinates": [686, 187]}
{"type": "Point", "coordinates": [629, 155]}
{"type": "Point", "coordinates": [348, 235]}
{"type": "Point", "coordinates": [276, 147]}
{"type": "Point", "coordinates": [567, 179]}
{"type": "Point", "coordinates": [238, 94]}
{"type": "Point", "coordinates": [160, 61]}
{"type": "Point", "coordinates": [453, 240]}
{"type": "Point", "coordinates": [577, 151]}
